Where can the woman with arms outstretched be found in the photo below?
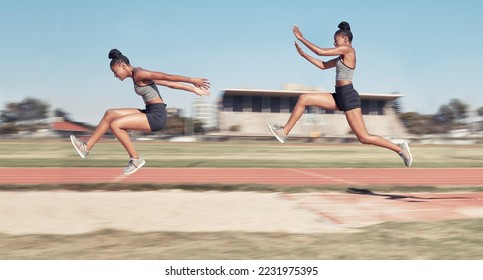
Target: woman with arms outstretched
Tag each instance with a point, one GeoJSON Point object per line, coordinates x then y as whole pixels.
{"type": "Point", "coordinates": [345, 98]}
{"type": "Point", "coordinates": [151, 119]}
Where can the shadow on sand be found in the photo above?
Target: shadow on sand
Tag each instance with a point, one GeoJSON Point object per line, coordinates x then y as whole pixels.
{"type": "Point", "coordinates": [406, 198]}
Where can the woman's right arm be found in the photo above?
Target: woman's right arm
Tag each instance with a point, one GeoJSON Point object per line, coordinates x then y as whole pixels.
{"type": "Point", "coordinates": [143, 74]}
{"type": "Point", "coordinates": [319, 63]}
{"type": "Point", "coordinates": [175, 85]}
{"type": "Point", "coordinates": [318, 50]}
{"type": "Point", "coordinates": [315, 49]}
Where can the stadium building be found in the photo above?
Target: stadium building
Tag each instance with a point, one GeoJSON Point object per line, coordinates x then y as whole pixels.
{"type": "Point", "coordinates": [245, 112]}
{"type": "Point", "coordinates": [204, 112]}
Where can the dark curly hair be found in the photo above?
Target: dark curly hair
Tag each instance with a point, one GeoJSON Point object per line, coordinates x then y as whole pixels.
{"type": "Point", "coordinates": [344, 29]}
{"type": "Point", "coordinates": [117, 57]}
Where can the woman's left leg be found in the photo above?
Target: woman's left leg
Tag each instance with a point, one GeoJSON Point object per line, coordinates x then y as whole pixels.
{"type": "Point", "coordinates": [356, 122]}
{"type": "Point", "coordinates": [120, 126]}
{"type": "Point", "coordinates": [105, 123]}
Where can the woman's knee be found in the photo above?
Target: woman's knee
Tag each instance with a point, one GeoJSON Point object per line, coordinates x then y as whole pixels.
{"type": "Point", "coordinates": [303, 99]}
{"type": "Point", "coordinates": [109, 115]}
{"type": "Point", "coordinates": [365, 139]}
{"type": "Point", "coordinates": [115, 124]}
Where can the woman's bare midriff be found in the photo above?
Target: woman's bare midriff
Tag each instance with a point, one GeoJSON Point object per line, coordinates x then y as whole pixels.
{"type": "Point", "coordinates": [341, 83]}
{"type": "Point", "coordinates": [155, 100]}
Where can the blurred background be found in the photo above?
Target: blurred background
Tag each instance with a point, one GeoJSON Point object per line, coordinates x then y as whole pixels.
{"type": "Point", "coordinates": [416, 72]}
{"type": "Point", "coordinates": [418, 67]}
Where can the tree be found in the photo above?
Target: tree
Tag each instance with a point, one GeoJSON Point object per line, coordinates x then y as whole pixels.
{"type": "Point", "coordinates": [62, 114]}
{"type": "Point", "coordinates": [455, 110]}
{"type": "Point", "coordinates": [28, 109]}
{"type": "Point", "coordinates": [198, 126]}
{"type": "Point", "coordinates": [8, 117]}
{"type": "Point", "coordinates": [459, 108]}
{"type": "Point", "coordinates": [445, 115]}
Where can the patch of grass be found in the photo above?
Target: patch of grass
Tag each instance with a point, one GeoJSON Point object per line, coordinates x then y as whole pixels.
{"type": "Point", "coordinates": [457, 239]}
{"type": "Point", "coordinates": [109, 153]}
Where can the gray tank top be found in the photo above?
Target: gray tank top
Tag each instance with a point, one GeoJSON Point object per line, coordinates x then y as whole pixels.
{"type": "Point", "coordinates": [343, 72]}
{"type": "Point", "coordinates": [147, 92]}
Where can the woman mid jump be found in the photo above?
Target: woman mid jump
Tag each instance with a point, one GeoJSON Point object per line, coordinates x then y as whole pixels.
{"type": "Point", "coordinates": [151, 119]}
{"type": "Point", "coordinates": [345, 98]}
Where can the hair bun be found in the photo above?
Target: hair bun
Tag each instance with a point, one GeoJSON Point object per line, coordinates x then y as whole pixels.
{"type": "Point", "coordinates": [114, 53]}
{"type": "Point", "coordinates": [344, 26]}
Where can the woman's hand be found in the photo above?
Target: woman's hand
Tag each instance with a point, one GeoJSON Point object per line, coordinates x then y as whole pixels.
{"type": "Point", "coordinates": [299, 49]}
{"type": "Point", "coordinates": [201, 92]}
{"type": "Point", "coordinates": [201, 87]}
{"type": "Point", "coordinates": [202, 84]}
{"type": "Point", "coordinates": [297, 33]}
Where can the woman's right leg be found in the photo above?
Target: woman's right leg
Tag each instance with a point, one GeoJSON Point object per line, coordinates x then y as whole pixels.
{"type": "Point", "coordinates": [322, 100]}
{"type": "Point", "coordinates": [105, 123]}
{"type": "Point", "coordinates": [356, 123]}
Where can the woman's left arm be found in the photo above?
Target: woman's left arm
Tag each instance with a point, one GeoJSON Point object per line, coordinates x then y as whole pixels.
{"type": "Point", "coordinates": [342, 50]}
{"type": "Point", "coordinates": [174, 85]}
{"type": "Point", "coordinates": [200, 83]}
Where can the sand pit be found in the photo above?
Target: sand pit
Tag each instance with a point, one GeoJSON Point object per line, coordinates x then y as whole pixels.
{"type": "Point", "coordinates": [62, 212]}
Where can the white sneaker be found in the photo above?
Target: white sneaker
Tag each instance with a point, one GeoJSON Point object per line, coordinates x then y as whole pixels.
{"type": "Point", "coordinates": [405, 154]}
{"type": "Point", "coordinates": [277, 131]}
{"type": "Point", "coordinates": [79, 146]}
{"type": "Point", "coordinates": [133, 165]}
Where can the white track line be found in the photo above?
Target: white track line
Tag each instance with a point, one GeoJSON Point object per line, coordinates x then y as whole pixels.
{"type": "Point", "coordinates": [119, 178]}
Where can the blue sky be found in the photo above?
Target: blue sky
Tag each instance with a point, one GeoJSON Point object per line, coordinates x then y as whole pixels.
{"type": "Point", "coordinates": [56, 51]}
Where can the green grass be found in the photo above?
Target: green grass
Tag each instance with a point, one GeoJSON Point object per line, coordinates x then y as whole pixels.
{"type": "Point", "coordinates": [51, 153]}
{"type": "Point", "coordinates": [457, 239]}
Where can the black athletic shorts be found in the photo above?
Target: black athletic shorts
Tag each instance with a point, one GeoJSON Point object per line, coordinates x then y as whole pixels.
{"type": "Point", "coordinates": [156, 114]}
{"type": "Point", "coordinates": [346, 98]}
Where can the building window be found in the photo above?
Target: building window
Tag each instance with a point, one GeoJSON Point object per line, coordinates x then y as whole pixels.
{"type": "Point", "coordinates": [365, 107]}
{"type": "Point", "coordinates": [266, 104]}
{"type": "Point", "coordinates": [256, 104]}
{"type": "Point", "coordinates": [284, 105]}
{"type": "Point", "coordinates": [373, 107]}
{"type": "Point", "coordinates": [238, 103]}
{"type": "Point", "coordinates": [292, 102]}
{"type": "Point", "coordinates": [380, 107]}
{"type": "Point", "coordinates": [228, 103]}
{"type": "Point", "coordinates": [275, 104]}
{"type": "Point", "coordinates": [247, 103]}
{"type": "Point", "coordinates": [373, 110]}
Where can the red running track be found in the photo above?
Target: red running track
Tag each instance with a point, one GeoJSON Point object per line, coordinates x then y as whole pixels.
{"type": "Point", "coordinates": [276, 176]}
